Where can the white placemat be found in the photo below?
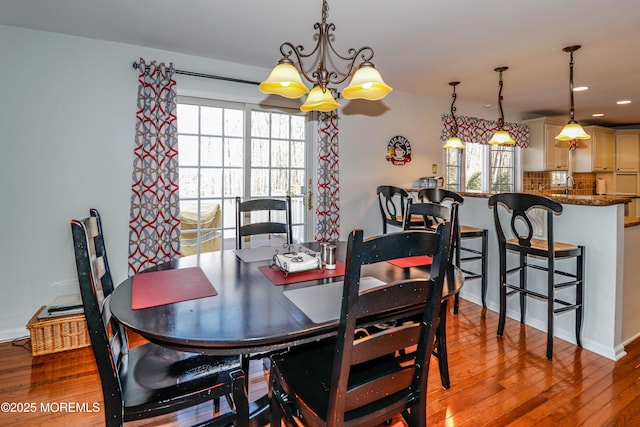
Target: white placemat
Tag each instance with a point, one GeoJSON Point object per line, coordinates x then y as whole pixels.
{"type": "Point", "coordinates": [321, 303]}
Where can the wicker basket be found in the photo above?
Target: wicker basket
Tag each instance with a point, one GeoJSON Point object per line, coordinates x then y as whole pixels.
{"type": "Point", "coordinates": [57, 333]}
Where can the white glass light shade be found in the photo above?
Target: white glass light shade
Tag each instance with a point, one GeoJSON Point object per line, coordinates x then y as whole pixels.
{"type": "Point", "coordinates": [572, 131]}
{"type": "Point", "coordinates": [366, 83]}
{"type": "Point", "coordinates": [284, 80]}
{"type": "Point", "coordinates": [501, 137]}
{"type": "Point", "coordinates": [319, 101]}
{"type": "Point", "coordinates": [454, 142]}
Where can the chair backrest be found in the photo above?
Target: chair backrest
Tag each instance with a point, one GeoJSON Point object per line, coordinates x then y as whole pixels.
{"type": "Point", "coordinates": [406, 383]}
{"type": "Point", "coordinates": [265, 209]}
{"type": "Point", "coordinates": [519, 211]}
{"type": "Point", "coordinates": [108, 337]}
{"type": "Point", "coordinates": [392, 202]}
{"type": "Point", "coordinates": [454, 200]}
{"type": "Point", "coordinates": [431, 213]}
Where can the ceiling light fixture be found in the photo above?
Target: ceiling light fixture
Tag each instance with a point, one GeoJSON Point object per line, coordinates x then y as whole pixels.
{"type": "Point", "coordinates": [501, 137]}
{"type": "Point", "coordinates": [286, 78]}
{"type": "Point", "coordinates": [454, 141]}
{"type": "Point", "coordinates": [572, 130]}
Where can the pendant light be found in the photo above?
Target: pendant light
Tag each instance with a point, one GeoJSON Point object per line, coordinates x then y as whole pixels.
{"type": "Point", "coordinates": [454, 141]}
{"type": "Point", "coordinates": [572, 130]}
{"type": "Point", "coordinates": [286, 79]}
{"type": "Point", "coordinates": [501, 137]}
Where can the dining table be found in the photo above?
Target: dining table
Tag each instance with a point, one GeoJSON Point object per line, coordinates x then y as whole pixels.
{"type": "Point", "coordinates": [250, 306]}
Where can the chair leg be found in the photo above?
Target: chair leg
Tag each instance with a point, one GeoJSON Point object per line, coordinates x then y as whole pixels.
{"type": "Point", "coordinates": [579, 290]}
{"type": "Point", "coordinates": [441, 340]}
{"type": "Point", "coordinates": [484, 267]}
{"type": "Point", "coordinates": [550, 306]}
{"type": "Point", "coordinates": [240, 401]}
{"type": "Point", "coordinates": [244, 363]}
{"type": "Point", "coordinates": [523, 285]}
{"type": "Point", "coordinates": [503, 291]}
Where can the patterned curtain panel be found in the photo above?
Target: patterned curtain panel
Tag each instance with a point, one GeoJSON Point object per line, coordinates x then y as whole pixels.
{"type": "Point", "coordinates": [327, 225]}
{"type": "Point", "coordinates": [480, 131]}
{"type": "Point", "coordinates": [154, 223]}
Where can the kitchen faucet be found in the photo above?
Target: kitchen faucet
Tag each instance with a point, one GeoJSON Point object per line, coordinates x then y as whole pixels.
{"type": "Point", "coordinates": [567, 187]}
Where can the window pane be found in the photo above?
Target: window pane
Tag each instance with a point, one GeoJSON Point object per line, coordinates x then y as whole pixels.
{"type": "Point", "coordinates": [474, 167]}
{"type": "Point", "coordinates": [260, 123]}
{"type": "Point", "coordinates": [233, 152]}
{"type": "Point", "coordinates": [211, 183]}
{"type": "Point", "coordinates": [280, 154]}
{"type": "Point", "coordinates": [297, 154]}
{"type": "Point", "coordinates": [187, 118]}
{"type": "Point", "coordinates": [297, 182]}
{"type": "Point", "coordinates": [279, 182]}
{"type": "Point", "coordinates": [211, 151]}
{"type": "Point", "coordinates": [211, 121]}
{"type": "Point", "coordinates": [233, 122]}
{"type": "Point", "coordinates": [298, 127]}
{"type": "Point", "coordinates": [187, 150]}
{"type": "Point", "coordinates": [188, 182]}
{"type": "Point", "coordinates": [259, 182]}
{"type": "Point", "coordinates": [280, 126]}
{"type": "Point", "coordinates": [233, 182]}
{"type": "Point", "coordinates": [260, 152]}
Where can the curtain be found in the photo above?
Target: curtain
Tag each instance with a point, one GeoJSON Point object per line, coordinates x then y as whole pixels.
{"type": "Point", "coordinates": [327, 227]}
{"type": "Point", "coordinates": [480, 131]}
{"type": "Point", "coordinates": [154, 221]}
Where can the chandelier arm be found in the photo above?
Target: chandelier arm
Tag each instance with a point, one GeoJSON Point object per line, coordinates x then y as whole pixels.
{"type": "Point", "coordinates": [364, 53]}
{"type": "Point", "coordinates": [287, 49]}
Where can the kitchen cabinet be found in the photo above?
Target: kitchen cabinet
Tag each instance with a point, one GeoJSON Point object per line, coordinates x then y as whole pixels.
{"type": "Point", "coordinates": [545, 153]}
{"type": "Point", "coordinates": [596, 154]}
{"type": "Point", "coordinates": [627, 151]}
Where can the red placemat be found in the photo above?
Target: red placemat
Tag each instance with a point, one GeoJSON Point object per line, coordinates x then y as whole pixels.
{"type": "Point", "coordinates": [168, 286]}
{"type": "Point", "coordinates": [413, 261]}
{"type": "Point", "coordinates": [277, 276]}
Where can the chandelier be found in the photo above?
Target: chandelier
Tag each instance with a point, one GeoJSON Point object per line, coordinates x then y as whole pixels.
{"type": "Point", "coordinates": [572, 130]}
{"type": "Point", "coordinates": [454, 141]}
{"type": "Point", "coordinates": [286, 78]}
{"type": "Point", "coordinates": [501, 137]}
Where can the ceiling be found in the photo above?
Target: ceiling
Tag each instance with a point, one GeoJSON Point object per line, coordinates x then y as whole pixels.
{"type": "Point", "coordinates": [419, 45]}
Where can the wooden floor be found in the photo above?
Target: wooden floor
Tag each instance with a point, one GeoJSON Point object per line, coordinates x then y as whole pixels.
{"type": "Point", "coordinates": [495, 381]}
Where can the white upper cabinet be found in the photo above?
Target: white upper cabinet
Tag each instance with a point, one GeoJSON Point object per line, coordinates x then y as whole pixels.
{"type": "Point", "coordinates": [596, 154]}
{"type": "Point", "coordinates": [545, 153]}
{"type": "Point", "coordinates": [627, 150]}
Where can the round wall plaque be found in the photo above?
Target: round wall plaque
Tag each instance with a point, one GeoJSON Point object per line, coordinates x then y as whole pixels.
{"type": "Point", "coordinates": [399, 150]}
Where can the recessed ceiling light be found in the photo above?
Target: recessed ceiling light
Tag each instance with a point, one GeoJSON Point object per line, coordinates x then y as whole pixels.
{"type": "Point", "coordinates": [597, 115]}
{"type": "Point", "coordinates": [580, 88]}
{"type": "Point", "coordinates": [626, 101]}
{"type": "Point", "coordinates": [488, 105]}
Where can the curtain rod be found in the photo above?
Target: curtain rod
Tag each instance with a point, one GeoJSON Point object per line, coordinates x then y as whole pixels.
{"type": "Point", "coordinates": [206, 76]}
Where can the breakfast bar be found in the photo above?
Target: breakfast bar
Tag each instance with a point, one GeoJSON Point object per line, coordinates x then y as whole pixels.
{"type": "Point", "coordinates": [598, 223]}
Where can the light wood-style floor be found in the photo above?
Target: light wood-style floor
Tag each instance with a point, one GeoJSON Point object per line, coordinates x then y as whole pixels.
{"type": "Point", "coordinates": [495, 381]}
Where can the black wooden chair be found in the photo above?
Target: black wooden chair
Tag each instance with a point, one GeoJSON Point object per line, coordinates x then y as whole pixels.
{"type": "Point", "coordinates": [462, 253]}
{"type": "Point", "coordinates": [353, 381]}
{"type": "Point", "coordinates": [148, 380]}
{"type": "Point", "coordinates": [393, 203]}
{"type": "Point", "coordinates": [521, 241]}
{"type": "Point", "coordinates": [432, 215]}
{"type": "Point", "coordinates": [263, 213]}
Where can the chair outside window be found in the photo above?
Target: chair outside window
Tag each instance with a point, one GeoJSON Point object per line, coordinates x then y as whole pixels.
{"type": "Point", "coordinates": [517, 210]}
{"type": "Point", "coordinates": [265, 217]}
{"type": "Point", "coordinates": [148, 380]}
{"type": "Point", "coordinates": [354, 381]}
{"type": "Point", "coordinates": [463, 253]}
{"type": "Point", "coordinates": [393, 203]}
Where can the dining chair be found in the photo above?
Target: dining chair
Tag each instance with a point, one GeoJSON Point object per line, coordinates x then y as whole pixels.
{"type": "Point", "coordinates": [263, 214]}
{"type": "Point", "coordinates": [432, 215]}
{"type": "Point", "coordinates": [148, 380]}
{"type": "Point", "coordinates": [364, 381]}
{"type": "Point", "coordinates": [463, 253]}
{"type": "Point", "coordinates": [393, 202]}
{"type": "Point", "coordinates": [520, 237]}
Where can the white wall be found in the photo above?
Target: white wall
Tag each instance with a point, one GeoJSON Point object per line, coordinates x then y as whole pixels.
{"type": "Point", "coordinates": [67, 121]}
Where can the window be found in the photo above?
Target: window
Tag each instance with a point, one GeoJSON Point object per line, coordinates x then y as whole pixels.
{"type": "Point", "coordinates": [481, 168]}
{"type": "Point", "coordinates": [227, 150]}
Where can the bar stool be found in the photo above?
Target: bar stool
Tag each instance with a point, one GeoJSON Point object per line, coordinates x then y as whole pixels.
{"type": "Point", "coordinates": [518, 207]}
{"type": "Point", "coordinates": [462, 233]}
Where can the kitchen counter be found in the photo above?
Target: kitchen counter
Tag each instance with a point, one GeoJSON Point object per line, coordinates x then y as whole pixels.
{"type": "Point", "coordinates": [570, 199]}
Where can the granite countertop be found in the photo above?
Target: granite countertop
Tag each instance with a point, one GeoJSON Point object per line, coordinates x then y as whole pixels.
{"type": "Point", "coordinates": [571, 199]}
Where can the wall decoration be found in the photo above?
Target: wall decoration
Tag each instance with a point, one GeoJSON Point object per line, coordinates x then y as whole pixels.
{"type": "Point", "coordinates": [399, 150]}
